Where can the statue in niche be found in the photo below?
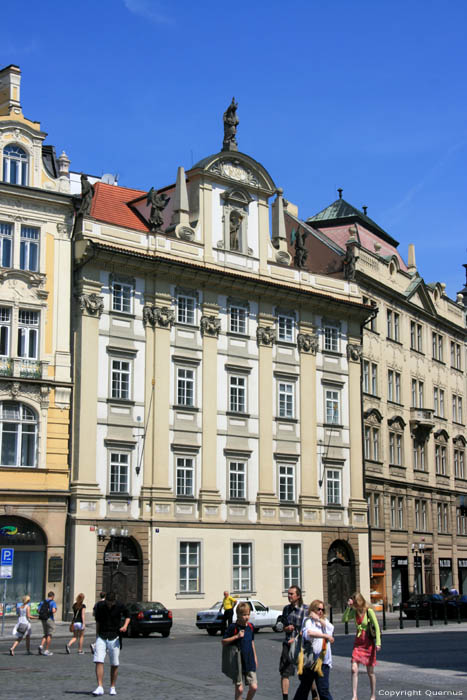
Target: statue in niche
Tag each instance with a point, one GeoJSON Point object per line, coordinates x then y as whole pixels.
{"type": "Point", "coordinates": [87, 193]}
{"type": "Point", "coordinates": [235, 222]}
{"type": "Point", "coordinates": [158, 203]}
{"type": "Point", "coordinates": [301, 252]}
{"type": "Point", "coordinates": [231, 122]}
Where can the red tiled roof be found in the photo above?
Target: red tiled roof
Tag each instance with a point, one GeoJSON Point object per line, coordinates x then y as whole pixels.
{"type": "Point", "coordinates": [110, 204]}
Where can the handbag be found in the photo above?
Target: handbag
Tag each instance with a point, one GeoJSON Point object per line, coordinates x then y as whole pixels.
{"type": "Point", "coordinates": [295, 647]}
{"type": "Point", "coordinates": [371, 625]}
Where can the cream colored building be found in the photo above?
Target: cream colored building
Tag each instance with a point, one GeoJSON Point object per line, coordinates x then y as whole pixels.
{"type": "Point", "coordinates": [414, 408]}
{"type": "Point", "coordinates": [36, 217]}
{"type": "Point", "coordinates": [217, 434]}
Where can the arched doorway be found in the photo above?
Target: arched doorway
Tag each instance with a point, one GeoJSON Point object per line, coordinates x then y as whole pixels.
{"type": "Point", "coordinates": [29, 542]}
{"type": "Point", "coordinates": [124, 576]}
{"type": "Point", "coordinates": [341, 575]}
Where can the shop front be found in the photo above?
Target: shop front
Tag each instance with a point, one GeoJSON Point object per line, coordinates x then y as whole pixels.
{"type": "Point", "coordinates": [378, 582]}
{"type": "Point", "coordinates": [445, 573]}
{"type": "Point", "coordinates": [462, 573]}
{"type": "Point", "coordinates": [29, 568]}
{"type": "Point", "coordinates": [400, 580]}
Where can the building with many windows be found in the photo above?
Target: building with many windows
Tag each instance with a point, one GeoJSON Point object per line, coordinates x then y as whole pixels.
{"type": "Point", "coordinates": [35, 370]}
{"type": "Point", "coordinates": [217, 435]}
{"type": "Point", "coordinates": [414, 395]}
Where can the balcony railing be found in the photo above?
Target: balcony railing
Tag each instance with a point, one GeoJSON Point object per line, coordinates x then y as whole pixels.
{"type": "Point", "coordinates": [6, 367]}
{"type": "Point", "coordinates": [30, 369]}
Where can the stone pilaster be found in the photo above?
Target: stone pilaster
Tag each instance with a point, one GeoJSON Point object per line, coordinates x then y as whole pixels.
{"type": "Point", "coordinates": [266, 491]}
{"type": "Point", "coordinates": [357, 503]}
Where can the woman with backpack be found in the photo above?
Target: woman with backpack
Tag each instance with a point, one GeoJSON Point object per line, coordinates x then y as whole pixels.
{"type": "Point", "coordinates": [78, 624]}
{"type": "Point", "coordinates": [22, 629]}
{"type": "Point", "coordinates": [367, 640]}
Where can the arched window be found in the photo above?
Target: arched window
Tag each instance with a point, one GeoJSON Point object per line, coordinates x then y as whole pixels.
{"type": "Point", "coordinates": [15, 165]}
{"type": "Point", "coordinates": [18, 435]}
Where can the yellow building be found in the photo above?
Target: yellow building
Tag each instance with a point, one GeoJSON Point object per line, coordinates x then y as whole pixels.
{"type": "Point", "coordinates": [36, 217]}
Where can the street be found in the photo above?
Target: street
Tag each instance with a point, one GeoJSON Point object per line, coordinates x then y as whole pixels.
{"type": "Point", "coordinates": [417, 663]}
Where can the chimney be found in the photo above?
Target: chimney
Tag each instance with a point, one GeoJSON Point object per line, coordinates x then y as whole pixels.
{"type": "Point", "coordinates": [411, 264]}
{"type": "Point", "coordinates": [10, 81]}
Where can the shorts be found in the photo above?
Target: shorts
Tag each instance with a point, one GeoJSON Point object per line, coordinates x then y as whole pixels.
{"type": "Point", "coordinates": [77, 626]}
{"type": "Point", "coordinates": [48, 627]}
{"type": "Point", "coordinates": [286, 667]}
{"type": "Point", "coordinates": [102, 646]}
{"type": "Point", "coordinates": [249, 678]}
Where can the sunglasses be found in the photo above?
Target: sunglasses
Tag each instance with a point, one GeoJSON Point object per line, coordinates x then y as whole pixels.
{"type": "Point", "coordinates": [320, 609]}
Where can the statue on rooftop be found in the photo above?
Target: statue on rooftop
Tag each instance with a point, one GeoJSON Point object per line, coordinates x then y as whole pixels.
{"type": "Point", "coordinates": [87, 193]}
{"type": "Point", "coordinates": [231, 122]}
{"type": "Point", "coordinates": [301, 252]}
{"type": "Point", "coordinates": [158, 203]}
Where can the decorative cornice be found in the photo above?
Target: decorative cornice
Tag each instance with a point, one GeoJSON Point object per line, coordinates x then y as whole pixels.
{"type": "Point", "coordinates": [210, 325]}
{"type": "Point", "coordinates": [265, 335]}
{"type": "Point", "coordinates": [92, 303]}
{"type": "Point", "coordinates": [354, 352]}
{"type": "Point", "coordinates": [308, 343]}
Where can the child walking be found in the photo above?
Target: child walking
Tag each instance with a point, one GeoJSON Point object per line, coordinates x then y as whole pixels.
{"type": "Point", "coordinates": [242, 634]}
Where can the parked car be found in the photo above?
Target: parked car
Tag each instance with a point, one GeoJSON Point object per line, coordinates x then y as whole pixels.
{"type": "Point", "coordinates": [437, 602]}
{"type": "Point", "coordinates": [148, 617]}
{"type": "Point", "coordinates": [261, 616]}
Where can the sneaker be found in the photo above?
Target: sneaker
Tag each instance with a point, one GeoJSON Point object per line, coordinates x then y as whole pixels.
{"type": "Point", "coordinates": [47, 653]}
{"type": "Point", "coordinates": [40, 650]}
{"type": "Point", "coordinates": [93, 648]}
{"type": "Point", "coordinates": [80, 651]}
{"type": "Point", "coordinates": [112, 691]}
{"type": "Point", "coordinates": [67, 649]}
{"type": "Point", "coordinates": [98, 691]}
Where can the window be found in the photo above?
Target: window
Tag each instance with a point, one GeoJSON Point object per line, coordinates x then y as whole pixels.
{"type": "Point", "coordinates": [28, 333]}
{"type": "Point", "coordinates": [331, 338]}
{"type": "Point", "coordinates": [371, 442]}
{"type": "Point", "coordinates": [120, 379]}
{"type": "Point", "coordinates": [185, 386]}
{"type": "Point", "coordinates": [455, 352]}
{"type": "Point", "coordinates": [461, 522]}
{"type": "Point", "coordinates": [6, 238]}
{"type": "Point", "coordinates": [332, 400]}
{"type": "Point", "coordinates": [186, 309]}
{"type": "Point", "coordinates": [374, 509]}
{"type": "Point", "coordinates": [420, 515]}
{"type": "Point", "coordinates": [237, 394]}
{"type": "Point", "coordinates": [18, 435]}
{"type": "Point", "coordinates": [440, 459]}
{"type": "Point", "coordinates": [393, 512]}
{"type": "Point", "coordinates": [286, 482]}
{"type": "Point", "coordinates": [416, 336]}
{"type": "Point", "coordinates": [286, 399]}
{"type": "Point", "coordinates": [29, 249]}
{"type": "Point", "coordinates": [400, 513]}
{"type": "Point", "coordinates": [438, 401]}
{"type": "Point", "coordinates": [370, 377]}
{"type": "Point", "coordinates": [418, 451]}
{"type": "Point", "coordinates": [394, 386]}
{"type": "Point", "coordinates": [333, 487]}
{"type": "Point", "coordinates": [393, 325]}
{"type": "Point", "coordinates": [443, 517]}
{"type": "Point", "coordinates": [238, 319]}
{"type": "Point", "coordinates": [237, 481]}
{"type": "Point", "coordinates": [185, 476]}
{"type": "Point", "coordinates": [15, 165]}
{"type": "Point", "coordinates": [418, 391]}
{"type": "Point", "coordinates": [459, 463]}
{"type": "Point", "coordinates": [5, 330]}
{"type": "Point", "coordinates": [241, 567]}
{"type": "Point", "coordinates": [292, 565]}
{"type": "Point", "coordinates": [437, 347]}
{"type": "Point", "coordinates": [190, 567]}
{"type": "Point", "coordinates": [457, 413]}
{"type": "Point", "coordinates": [119, 472]}
{"type": "Point", "coordinates": [285, 328]}
{"type": "Point", "coordinates": [122, 295]}
{"type": "Point", "coordinates": [395, 448]}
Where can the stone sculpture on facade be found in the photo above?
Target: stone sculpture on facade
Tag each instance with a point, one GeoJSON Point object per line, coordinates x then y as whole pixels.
{"type": "Point", "coordinates": [301, 252]}
{"type": "Point", "coordinates": [210, 325]}
{"type": "Point", "coordinates": [87, 193]}
{"type": "Point", "coordinates": [231, 122]}
{"type": "Point", "coordinates": [235, 226]}
{"type": "Point", "coordinates": [92, 303]}
{"type": "Point", "coordinates": [354, 352]}
{"type": "Point", "coordinates": [265, 335]}
{"type": "Point", "coordinates": [349, 264]}
{"type": "Point", "coordinates": [307, 342]}
{"type": "Point", "coordinates": [158, 202]}
{"type": "Point", "coordinates": [160, 315]}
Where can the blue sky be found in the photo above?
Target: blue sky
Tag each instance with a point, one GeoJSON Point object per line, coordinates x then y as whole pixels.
{"type": "Point", "coordinates": [367, 96]}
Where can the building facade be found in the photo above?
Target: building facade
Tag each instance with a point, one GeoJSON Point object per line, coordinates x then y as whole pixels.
{"type": "Point", "coordinates": [217, 438]}
{"type": "Point", "coordinates": [35, 370]}
{"type": "Point", "coordinates": [414, 388]}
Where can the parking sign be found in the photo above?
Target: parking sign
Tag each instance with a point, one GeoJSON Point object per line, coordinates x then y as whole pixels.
{"type": "Point", "coordinates": [7, 556]}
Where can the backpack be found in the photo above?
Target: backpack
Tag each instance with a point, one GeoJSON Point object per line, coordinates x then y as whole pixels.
{"type": "Point", "coordinates": [44, 610]}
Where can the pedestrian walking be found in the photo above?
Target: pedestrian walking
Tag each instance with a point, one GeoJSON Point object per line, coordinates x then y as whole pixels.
{"type": "Point", "coordinates": [78, 624]}
{"type": "Point", "coordinates": [241, 633]}
{"type": "Point", "coordinates": [109, 614]}
{"type": "Point", "coordinates": [22, 629]}
{"type": "Point", "coordinates": [293, 615]}
{"type": "Point", "coordinates": [92, 646]}
{"type": "Point", "coordinates": [317, 634]}
{"type": "Point", "coordinates": [228, 603]}
{"type": "Point", "coordinates": [365, 645]}
{"type": "Point", "coordinates": [47, 609]}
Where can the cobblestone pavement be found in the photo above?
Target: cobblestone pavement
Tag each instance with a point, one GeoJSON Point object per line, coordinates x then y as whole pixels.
{"type": "Point", "coordinates": [186, 666]}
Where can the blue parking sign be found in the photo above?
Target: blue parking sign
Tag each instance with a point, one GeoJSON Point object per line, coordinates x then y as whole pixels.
{"type": "Point", "coordinates": [7, 556]}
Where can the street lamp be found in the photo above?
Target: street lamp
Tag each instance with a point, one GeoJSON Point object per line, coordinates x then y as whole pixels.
{"type": "Point", "coordinates": [115, 557]}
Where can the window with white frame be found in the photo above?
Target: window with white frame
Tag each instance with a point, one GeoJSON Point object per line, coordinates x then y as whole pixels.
{"type": "Point", "coordinates": [393, 325]}
{"type": "Point", "coordinates": [457, 413]}
{"type": "Point", "coordinates": [418, 454]}
{"type": "Point", "coordinates": [370, 377]}
{"type": "Point", "coordinates": [242, 567]}
{"type": "Point", "coordinates": [416, 336]}
{"type": "Point", "coordinates": [438, 401]}
{"type": "Point", "coordinates": [28, 334]}
{"type": "Point", "coordinates": [331, 338]}
{"type": "Point", "coordinates": [437, 341]}
{"type": "Point", "coordinates": [285, 328]}
{"type": "Point", "coordinates": [374, 509]}
{"type": "Point", "coordinates": [15, 165]}
{"type": "Point", "coordinates": [122, 297]}
{"type": "Point", "coordinates": [186, 307]}
{"type": "Point", "coordinates": [456, 352]}
{"type": "Point", "coordinates": [238, 316]}
{"type": "Point", "coordinates": [333, 486]}
{"type": "Point", "coordinates": [332, 405]}
{"type": "Point", "coordinates": [119, 472]}
{"type": "Point", "coordinates": [418, 393]}
{"type": "Point", "coordinates": [18, 435]}
{"type": "Point", "coordinates": [292, 565]}
{"type": "Point", "coordinates": [237, 481]}
{"type": "Point", "coordinates": [371, 442]}
{"type": "Point", "coordinates": [237, 393]}
{"type": "Point", "coordinates": [400, 512]}
{"type": "Point", "coordinates": [185, 386]}
{"type": "Point", "coordinates": [120, 379]}
{"type": "Point", "coordinates": [421, 514]}
{"type": "Point", "coordinates": [29, 248]}
{"type": "Point", "coordinates": [395, 448]}
{"type": "Point", "coordinates": [394, 386]}
{"type": "Point", "coordinates": [393, 512]}
{"type": "Point", "coordinates": [286, 482]}
{"type": "Point", "coordinates": [442, 510]}
{"type": "Point", "coordinates": [190, 567]}
{"type": "Point", "coordinates": [185, 476]}
{"type": "Point", "coordinates": [459, 460]}
{"type": "Point", "coordinates": [286, 399]}
{"type": "Point", "coordinates": [6, 244]}
{"type": "Point", "coordinates": [440, 459]}
{"type": "Point", "coordinates": [5, 331]}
